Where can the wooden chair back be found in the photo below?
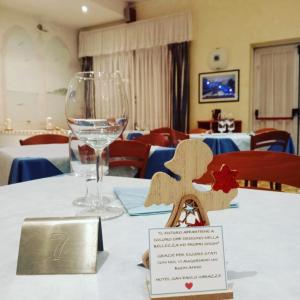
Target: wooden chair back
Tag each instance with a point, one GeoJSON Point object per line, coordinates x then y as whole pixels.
{"type": "Point", "coordinates": [155, 139]}
{"type": "Point", "coordinates": [175, 136]}
{"type": "Point", "coordinates": [261, 130]}
{"type": "Point", "coordinates": [45, 139]}
{"type": "Point", "coordinates": [178, 136]}
{"type": "Point", "coordinates": [280, 167]}
{"type": "Point", "coordinates": [162, 130]}
{"type": "Point", "coordinates": [124, 153]}
{"type": "Point", "coordinates": [269, 138]}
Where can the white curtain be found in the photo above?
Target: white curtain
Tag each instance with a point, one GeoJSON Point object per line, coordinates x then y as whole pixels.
{"type": "Point", "coordinates": [153, 88]}
{"type": "Point", "coordinates": [124, 63]}
{"type": "Point", "coordinates": [147, 83]}
{"type": "Point", "coordinates": [139, 51]}
{"type": "Point", "coordinates": [275, 90]}
{"type": "Point", "coordinates": [143, 34]}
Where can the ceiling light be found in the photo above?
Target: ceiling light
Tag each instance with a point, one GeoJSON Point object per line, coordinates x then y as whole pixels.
{"type": "Point", "coordinates": [84, 9]}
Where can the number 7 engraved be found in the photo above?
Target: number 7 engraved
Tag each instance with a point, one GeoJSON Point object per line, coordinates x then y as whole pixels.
{"type": "Point", "coordinates": [62, 239]}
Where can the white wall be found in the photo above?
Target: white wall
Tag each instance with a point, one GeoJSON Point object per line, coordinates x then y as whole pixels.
{"type": "Point", "coordinates": [35, 68]}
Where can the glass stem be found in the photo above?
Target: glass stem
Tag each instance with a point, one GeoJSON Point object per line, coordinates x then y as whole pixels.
{"type": "Point", "coordinates": [99, 173]}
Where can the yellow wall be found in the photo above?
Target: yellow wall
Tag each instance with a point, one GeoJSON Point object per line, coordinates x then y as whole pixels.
{"type": "Point", "coordinates": [235, 25]}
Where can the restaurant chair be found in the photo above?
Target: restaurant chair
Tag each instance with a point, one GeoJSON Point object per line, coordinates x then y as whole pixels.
{"type": "Point", "coordinates": [45, 139]}
{"type": "Point", "coordinates": [175, 136]}
{"type": "Point", "coordinates": [276, 140]}
{"type": "Point", "coordinates": [255, 166]}
{"type": "Point", "coordinates": [162, 130]}
{"type": "Point", "coordinates": [130, 154]}
{"type": "Point", "coordinates": [178, 136]}
{"type": "Point", "coordinates": [166, 131]}
{"type": "Point", "coordinates": [279, 138]}
{"type": "Point", "coordinates": [155, 139]}
{"type": "Point", "coordinates": [261, 130]}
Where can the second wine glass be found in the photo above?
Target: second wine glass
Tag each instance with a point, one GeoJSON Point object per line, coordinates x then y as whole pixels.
{"type": "Point", "coordinates": [97, 113]}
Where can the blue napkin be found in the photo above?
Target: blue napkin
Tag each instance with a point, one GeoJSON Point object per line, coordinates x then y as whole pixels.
{"type": "Point", "coordinates": [133, 201]}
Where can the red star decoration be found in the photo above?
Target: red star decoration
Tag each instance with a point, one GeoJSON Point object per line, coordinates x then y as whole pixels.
{"type": "Point", "coordinates": [225, 179]}
{"type": "Point", "coordinates": [198, 223]}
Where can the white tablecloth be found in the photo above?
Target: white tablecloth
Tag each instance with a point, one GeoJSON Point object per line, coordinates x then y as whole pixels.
{"type": "Point", "coordinates": [57, 154]}
{"type": "Point", "coordinates": [242, 140]}
{"type": "Point", "coordinates": [261, 237]}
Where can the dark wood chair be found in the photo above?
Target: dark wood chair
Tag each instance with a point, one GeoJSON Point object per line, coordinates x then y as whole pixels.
{"type": "Point", "coordinates": [162, 130]}
{"type": "Point", "coordinates": [178, 136]}
{"type": "Point", "coordinates": [45, 139]}
{"type": "Point", "coordinates": [124, 153]}
{"type": "Point", "coordinates": [270, 138]}
{"type": "Point", "coordinates": [175, 136]}
{"type": "Point", "coordinates": [155, 139]}
{"type": "Point", "coordinates": [255, 166]}
{"type": "Point", "coordinates": [261, 130]}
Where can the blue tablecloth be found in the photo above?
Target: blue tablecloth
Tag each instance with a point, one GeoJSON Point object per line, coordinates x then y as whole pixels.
{"type": "Point", "coordinates": [219, 146]}
{"type": "Point", "coordinates": [289, 148]}
{"type": "Point", "coordinates": [133, 135]}
{"type": "Point", "coordinates": [156, 162]}
{"type": "Point", "coordinates": [25, 169]}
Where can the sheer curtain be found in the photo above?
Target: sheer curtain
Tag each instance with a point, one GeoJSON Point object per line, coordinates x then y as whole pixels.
{"type": "Point", "coordinates": [275, 89]}
{"type": "Point", "coordinates": [124, 63]}
{"type": "Point", "coordinates": [152, 67]}
{"type": "Point", "coordinates": [147, 82]}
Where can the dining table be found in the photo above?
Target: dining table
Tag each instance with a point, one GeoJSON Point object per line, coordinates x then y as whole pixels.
{"type": "Point", "coordinates": [261, 245]}
{"type": "Point", "coordinates": [23, 163]}
{"type": "Point", "coordinates": [226, 142]}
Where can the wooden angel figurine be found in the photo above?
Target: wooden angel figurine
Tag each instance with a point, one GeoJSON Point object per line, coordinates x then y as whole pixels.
{"type": "Point", "coordinates": [190, 205]}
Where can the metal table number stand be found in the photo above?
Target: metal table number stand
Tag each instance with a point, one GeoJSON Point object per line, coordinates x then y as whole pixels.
{"type": "Point", "coordinates": [59, 246]}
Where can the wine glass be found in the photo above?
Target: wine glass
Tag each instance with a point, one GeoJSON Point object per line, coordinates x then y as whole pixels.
{"type": "Point", "coordinates": [97, 113]}
{"type": "Point", "coordinates": [230, 123]}
{"type": "Point", "coordinates": [221, 125]}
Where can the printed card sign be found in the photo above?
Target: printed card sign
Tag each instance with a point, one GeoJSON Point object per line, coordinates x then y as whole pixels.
{"type": "Point", "coordinates": [187, 260]}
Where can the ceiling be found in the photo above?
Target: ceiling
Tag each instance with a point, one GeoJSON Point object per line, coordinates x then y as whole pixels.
{"type": "Point", "coordinates": [68, 12]}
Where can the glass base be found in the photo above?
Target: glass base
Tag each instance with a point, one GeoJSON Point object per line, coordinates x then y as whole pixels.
{"type": "Point", "coordinates": [88, 200]}
{"type": "Point", "coordinates": [105, 212]}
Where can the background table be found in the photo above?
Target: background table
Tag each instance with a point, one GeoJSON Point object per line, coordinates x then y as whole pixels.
{"type": "Point", "coordinates": [241, 140]}
{"type": "Point", "coordinates": [21, 163]}
{"type": "Point", "coordinates": [262, 248]}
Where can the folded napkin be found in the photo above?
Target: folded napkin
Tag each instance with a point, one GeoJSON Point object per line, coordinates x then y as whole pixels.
{"type": "Point", "coordinates": [133, 199]}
